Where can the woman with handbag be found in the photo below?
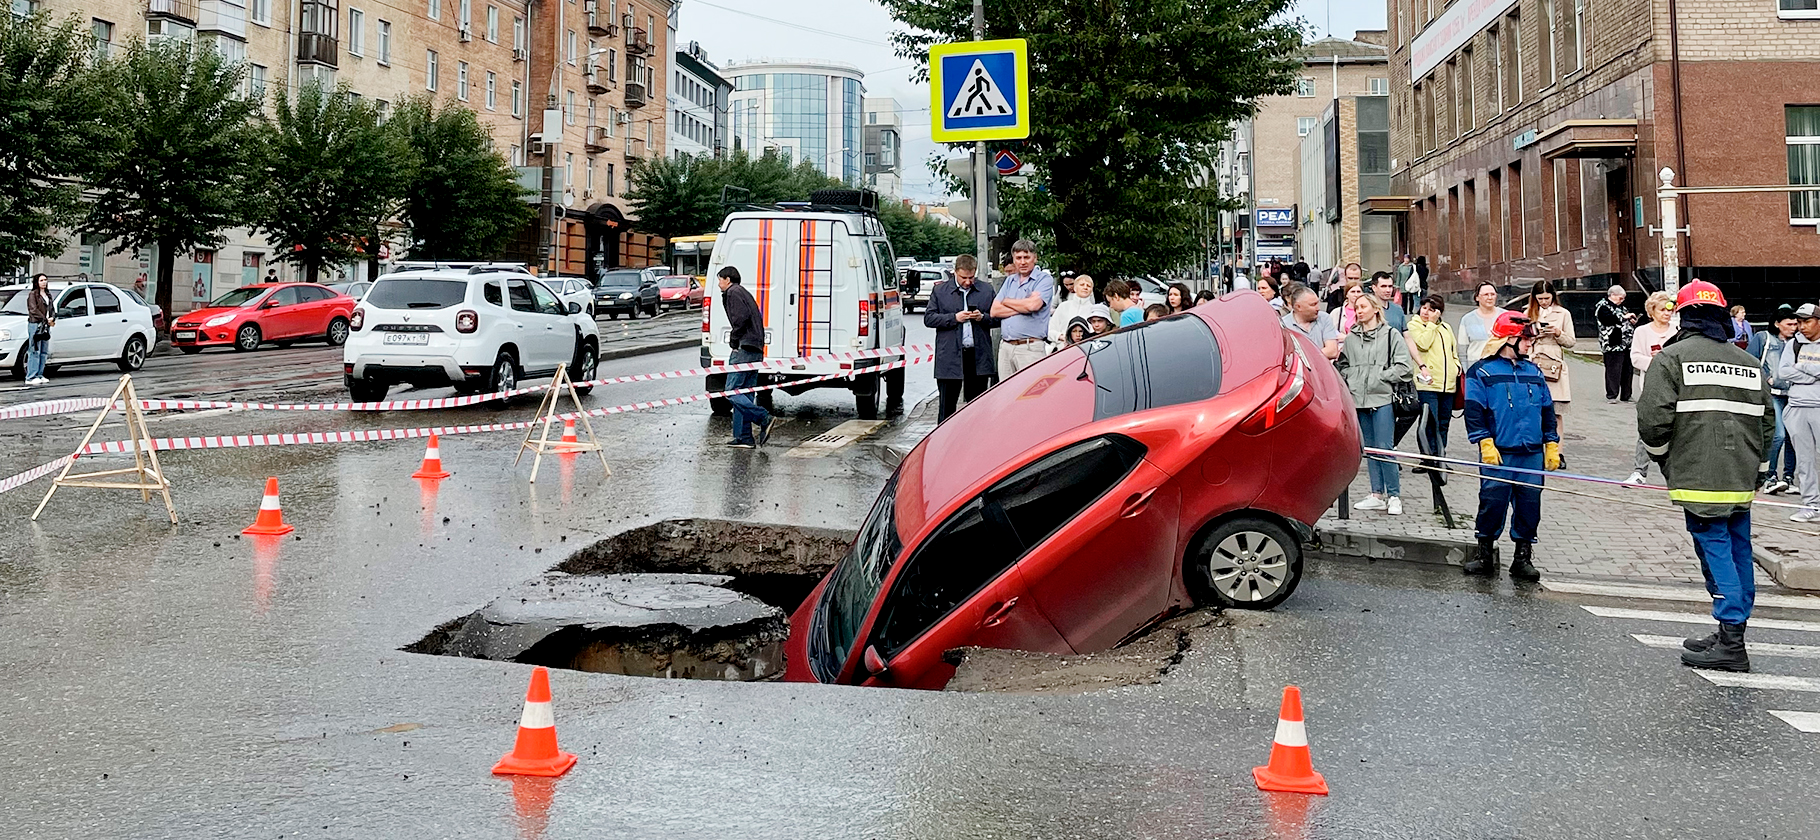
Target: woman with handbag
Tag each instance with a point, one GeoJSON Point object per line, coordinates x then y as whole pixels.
{"type": "Point", "coordinates": [1616, 326]}
{"type": "Point", "coordinates": [1554, 337]}
{"type": "Point", "coordinates": [1437, 371]}
{"type": "Point", "coordinates": [38, 321]}
{"type": "Point", "coordinates": [1374, 362]}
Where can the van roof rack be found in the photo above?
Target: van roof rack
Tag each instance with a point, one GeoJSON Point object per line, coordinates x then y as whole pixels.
{"type": "Point", "coordinates": [820, 201]}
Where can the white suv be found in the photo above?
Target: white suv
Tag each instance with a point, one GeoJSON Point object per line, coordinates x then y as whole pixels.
{"type": "Point", "coordinates": [480, 329]}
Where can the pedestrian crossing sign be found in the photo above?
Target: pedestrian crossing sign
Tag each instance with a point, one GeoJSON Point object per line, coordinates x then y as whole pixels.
{"type": "Point", "coordinates": [979, 90]}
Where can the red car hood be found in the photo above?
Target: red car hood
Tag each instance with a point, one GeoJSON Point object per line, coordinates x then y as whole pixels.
{"type": "Point", "coordinates": [197, 316]}
{"type": "Point", "coordinates": [666, 294]}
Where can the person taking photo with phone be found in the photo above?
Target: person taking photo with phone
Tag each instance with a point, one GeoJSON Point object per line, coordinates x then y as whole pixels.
{"type": "Point", "coordinates": [957, 312]}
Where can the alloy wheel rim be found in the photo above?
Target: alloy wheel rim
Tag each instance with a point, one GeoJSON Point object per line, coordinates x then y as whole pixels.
{"type": "Point", "coordinates": [338, 332]}
{"type": "Point", "coordinates": [1248, 566]}
{"type": "Point", "coordinates": [506, 377]}
{"type": "Point", "coordinates": [135, 354]}
{"type": "Point", "coordinates": [248, 337]}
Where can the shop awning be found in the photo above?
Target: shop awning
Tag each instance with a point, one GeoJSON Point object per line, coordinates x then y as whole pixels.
{"type": "Point", "coordinates": [1589, 139]}
{"type": "Point", "coordinates": [1386, 205]}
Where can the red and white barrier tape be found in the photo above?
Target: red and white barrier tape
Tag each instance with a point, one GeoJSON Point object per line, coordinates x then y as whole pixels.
{"type": "Point", "coordinates": [33, 474]}
{"type": "Point", "coordinates": [74, 405]}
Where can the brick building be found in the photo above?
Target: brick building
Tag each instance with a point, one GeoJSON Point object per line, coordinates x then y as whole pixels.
{"type": "Point", "coordinates": [1527, 136]}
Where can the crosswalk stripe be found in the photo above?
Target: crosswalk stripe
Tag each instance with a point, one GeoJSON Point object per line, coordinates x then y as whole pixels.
{"type": "Point", "coordinates": [1755, 648]}
{"type": "Point", "coordinates": [1804, 721]}
{"type": "Point", "coordinates": [1689, 595]}
{"type": "Point", "coordinates": [1776, 682]}
{"type": "Point", "coordinates": [1697, 618]}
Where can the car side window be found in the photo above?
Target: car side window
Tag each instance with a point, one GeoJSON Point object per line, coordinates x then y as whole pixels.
{"type": "Point", "coordinates": [287, 296]}
{"type": "Point", "coordinates": [995, 530]}
{"type": "Point", "coordinates": [546, 302]}
{"type": "Point", "coordinates": [315, 294]}
{"type": "Point", "coordinates": [519, 291]}
{"type": "Point", "coordinates": [885, 261]}
{"type": "Point", "coordinates": [73, 305]}
{"type": "Point", "coordinates": [106, 303]}
{"type": "Point", "coordinates": [492, 294]}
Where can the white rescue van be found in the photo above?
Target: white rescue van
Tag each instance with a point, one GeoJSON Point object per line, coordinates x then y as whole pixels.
{"type": "Point", "coordinates": [826, 281]}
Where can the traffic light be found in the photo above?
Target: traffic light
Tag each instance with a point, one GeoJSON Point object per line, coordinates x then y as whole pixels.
{"type": "Point", "coordinates": [962, 170]}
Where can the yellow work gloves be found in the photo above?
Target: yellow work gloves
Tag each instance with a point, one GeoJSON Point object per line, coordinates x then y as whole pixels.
{"type": "Point", "coordinates": [1551, 456]}
{"type": "Point", "coordinates": [1488, 453]}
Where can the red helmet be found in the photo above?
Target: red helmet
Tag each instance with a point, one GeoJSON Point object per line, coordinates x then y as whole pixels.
{"type": "Point", "coordinates": [1508, 325]}
{"type": "Point", "coordinates": [1699, 293]}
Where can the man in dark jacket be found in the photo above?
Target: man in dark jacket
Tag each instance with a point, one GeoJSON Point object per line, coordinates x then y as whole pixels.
{"type": "Point", "coordinates": [747, 335]}
{"type": "Point", "coordinates": [960, 314]}
{"type": "Point", "coordinates": [1511, 417]}
{"type": "Point", "coordinates": [1705, 415]}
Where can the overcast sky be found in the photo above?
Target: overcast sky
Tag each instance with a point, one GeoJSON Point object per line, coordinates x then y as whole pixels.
{"type": "Point", "coordinates": [858, 34]}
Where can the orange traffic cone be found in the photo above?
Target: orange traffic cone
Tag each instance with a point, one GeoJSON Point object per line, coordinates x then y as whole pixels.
{"type": "Point", "coordinates": [568, 433]}
{"type": "Point", "coordinates": [432, 462]}
{"type": "Point", "coordinates": [271, 518]}
{"type": "Point", "coordinates": [1291, 768]}
{"type": "Point", "coordinates": [535, 752]}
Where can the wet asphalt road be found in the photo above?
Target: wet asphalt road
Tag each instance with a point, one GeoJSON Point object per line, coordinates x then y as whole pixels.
{"type": "Point", "coordinates": [183, 683]}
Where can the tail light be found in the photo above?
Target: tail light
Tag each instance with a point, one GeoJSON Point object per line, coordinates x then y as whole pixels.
{"type": "Point", "coordinates": [865, 316]}
{"type": "Point", "coordinates": [707, 306]}
{"type": "Point", "coordinates": [1291, 396]}
{"type": "Point", "coordinates": [357, 319]}
{"type": "Point", "coordinates": [467, 321]}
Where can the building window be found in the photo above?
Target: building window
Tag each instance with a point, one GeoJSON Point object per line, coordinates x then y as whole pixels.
{"type": "Point", "coordinates": [382, 109]}
{"type": "Point", "coordinates": [493, 24]}
{"type": "Point", "coordinates": [609, 179]}
{"type": "Point", "coordinates": [260, 12]}
{"type": "Point", "coordinates": [104, 38]}
{"type": "Point", "coordinates": [1304, 125]}
{"type": "Point", "coordinates": [1798, 9]}
{"type": "Point", "coordinates": [1513, 63]}
{"type": "Point", "coordinates": [1548, 31]}
{"type": "Point", "coordinates": [1495, 46]}
{"type": "Point", "coordinates": [1377, 87]}
{"type": "Point", "coordinates": [569, 47]}
{"type": "Point", "coordinates": [1515, 243]}
{"type": "Point", "coordinates": [612, 65]}
{"type": "Point", "coordinates": [1468, 117]}
{"type": "Point", "coordinates": [1576, 25]}
{"type": "Point", "coordinates": [1304, 87]}
{"type": "Point", "coordinates": [255, 81]}
{"type": "Point", "coordinates": [492, 91]}
{"type": "Point", "coordinates": [385, 42]}
{"type": "Point", "coordinates": [435, 10]}
{"type": "Point", "coordinates": [1804, 162]}
{"type": "Point", "coordinates": [518, 33]}
{"type": "Point", "coordinates": [357, 28]}
{"type": "Point", "coordinates": [517, 153]}
{"type": "Point", "coordinates": [518, 99]}
{"type": "Point", "coordinates": [461, 80]}
{"type": "Point", "coordinates": [430, 70]}
{"type": "Point", "coordinates": [465, 19]}
{"type": "Point", "coordinates": [568, 172]}
{"type": "Point", "coordinates": [568, 110]}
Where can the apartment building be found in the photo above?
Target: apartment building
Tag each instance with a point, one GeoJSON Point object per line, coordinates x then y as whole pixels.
{"type": "Point", "coordinates": [698, 105]}
{"type": "Point", "coordinates": [1528, 136]}
{"type": "Point", "coordinates": [884, 146]}
{"type": "Point", "coordinates": [1345, 156]}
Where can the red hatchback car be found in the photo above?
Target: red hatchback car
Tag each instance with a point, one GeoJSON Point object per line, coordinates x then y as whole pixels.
{"type": "Point", "coordinates": [679, 291]}
{"type": "Point", "coordinates": [1174, 463]}
{"type": "Point", "coordinates": [278, 312]}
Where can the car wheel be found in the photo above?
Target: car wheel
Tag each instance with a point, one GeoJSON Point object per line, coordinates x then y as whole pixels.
{"type": "Point", "coordinates": [721, 406]}
{"type": "Point", "coordinates": [504, 376]}
{"type": "Point", "coordinates": [133, 357]}
{"type": "Point", "coordinates": [338, 332]}
{"type": "Point", "coordinates": [247, 338]}
{"type": "Point", "coordinates": [652, 311]}
{"type": "Point", "coordinates": [366, 390]}
{"type": "Point", "coordinates": [865, 395]}
{"type": "Point", "coordinates": [189, 351]}
{"type": "Point", "coordinates": [633, 312]}
{"type": "Point", "coordinates": [1245, 563]}
{"type": "Point", "coordinates": [587, 359]}
{"type": "Point", "coordinates": [612, 316]}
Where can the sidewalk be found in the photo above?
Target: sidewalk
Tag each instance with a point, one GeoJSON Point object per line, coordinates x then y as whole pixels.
{"type": "Point", "coordinates": [1604, 537]}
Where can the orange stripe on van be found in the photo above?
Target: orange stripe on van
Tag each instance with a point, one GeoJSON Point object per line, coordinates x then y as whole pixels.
{"type": "Point", "coordinates": [762, 288]}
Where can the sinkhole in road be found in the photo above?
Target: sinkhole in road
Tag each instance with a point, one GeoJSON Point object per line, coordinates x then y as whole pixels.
{"type": "Point", "coordinates": [686, 598]}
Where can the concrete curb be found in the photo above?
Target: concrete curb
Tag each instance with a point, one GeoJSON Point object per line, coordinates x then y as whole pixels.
{"type": "Point", "coordinates": [1792, 572]}
{"type": "Point", "coordinates": [1347, 538]}
{"type": "Point", "coordinates": [628, 352]}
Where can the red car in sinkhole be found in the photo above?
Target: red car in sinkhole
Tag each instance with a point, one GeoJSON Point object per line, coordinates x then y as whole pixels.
{"type": "Point", "coordinates": [1176, 463]}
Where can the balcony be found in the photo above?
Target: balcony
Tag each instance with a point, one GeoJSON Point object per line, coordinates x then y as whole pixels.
{"type": "Point", "coordinates": [635, 149]}
{"type": "Point", "coordinates": [598, 83]}
{"type": "Point", "coordinates": [637, 43]}
{"type": "Point", "coordinates": [225, 16]}
{"type": "Point", "coordinates": [318, 49]}
{"type": "Point", "coordinates": [635, 94]}
{"type": "Point", "coordinates": [600, 25]}
{"type": "Point", "coordinates": [184, 10]}
{"type": "Point", "coordinates": [596, 141]}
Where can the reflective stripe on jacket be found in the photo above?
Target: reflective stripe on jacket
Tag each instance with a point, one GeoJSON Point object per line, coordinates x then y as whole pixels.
{"type": "Point", "coordinates": [1706, 416]}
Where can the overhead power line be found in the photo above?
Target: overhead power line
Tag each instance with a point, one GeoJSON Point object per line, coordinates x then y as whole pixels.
{"type": "Point", "coordinates": [854, 38]}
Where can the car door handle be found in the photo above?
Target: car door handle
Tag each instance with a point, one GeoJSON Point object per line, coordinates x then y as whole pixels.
{"type": "Point", "coordinates": [1137, 504]}
{"type": "Point", "coordinates": [997, 613]}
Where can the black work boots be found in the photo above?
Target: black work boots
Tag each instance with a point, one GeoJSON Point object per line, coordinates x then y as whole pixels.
{"type": "Point", "coordinates": [1484, 561]}
{"type": "Point", "coordinates": [1725, 653]}
{"type": "Point", "coordinates": [1520, 566]}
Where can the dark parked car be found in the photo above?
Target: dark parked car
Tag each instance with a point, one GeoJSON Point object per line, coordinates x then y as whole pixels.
{"type": "Point", "coordinates": [919, 280]}
{"type": "Point", "coordinates": [1171, 464]}
{"type": "Point", "coordinates": [629, 291]}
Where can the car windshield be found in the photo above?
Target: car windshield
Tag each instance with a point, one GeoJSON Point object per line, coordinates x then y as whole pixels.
{"type": "Point", "coordinates": [673, 283]}
{"type": "Point", "coordinates": [15, 305]}
{"type": "Point", "coordinates": [241, 296]}
{"type": "Point", "coordinates": [1165, 362]}
{"type": "Point", "coordinates": [416, 293]}
{"type": "Point", "coordinates": [853, 586]}
{"type": "Point", "coordinates": [621, 279]}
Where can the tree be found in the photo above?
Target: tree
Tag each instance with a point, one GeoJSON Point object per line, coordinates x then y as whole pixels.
{"type": "Point", "coordinates": [182, 172]}
{"type": "Point", "coordinates": [922, 238]}
{"type": "Point", "coordinates": [682, 196]}
{"type": "Point", "coordinates": [331, 174]}
{"type": "Point", "coordinates": [1129, 99]}
{"type": "Point", "coordinates": [462, 199]}
{"type": "Point", "coordinates": [52, 132]}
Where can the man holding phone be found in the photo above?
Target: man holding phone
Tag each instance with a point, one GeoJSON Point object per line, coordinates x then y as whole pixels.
{"type": "Point", "coordinates": [958, 312]}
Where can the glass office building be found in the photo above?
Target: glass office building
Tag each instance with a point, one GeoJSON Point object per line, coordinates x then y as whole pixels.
{"type": "Point", "coordinates": [803, 110]}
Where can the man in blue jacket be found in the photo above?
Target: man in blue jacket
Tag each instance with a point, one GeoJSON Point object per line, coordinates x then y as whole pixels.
{"type": "Point", "coordinates": [1511, 417]}
{"type": "Point", "coordinates": [959, 314]}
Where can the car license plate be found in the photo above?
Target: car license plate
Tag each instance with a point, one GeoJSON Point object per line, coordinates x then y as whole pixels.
{"type": "Point", "coordinates": [405, 338]}
{"type": "Point", "coordinates": [185, 335]}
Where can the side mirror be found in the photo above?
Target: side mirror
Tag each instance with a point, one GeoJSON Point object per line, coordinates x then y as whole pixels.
{"type": "Point", "coordinates": [574, 308]}
{"type": "Point", "coordinates": [873, 662]}
{"type": "Point", "coordinates": [270, 304]}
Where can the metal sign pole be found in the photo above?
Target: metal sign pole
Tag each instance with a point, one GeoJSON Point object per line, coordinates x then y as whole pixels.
{"type": "Point", "coordinates": [980, 210]}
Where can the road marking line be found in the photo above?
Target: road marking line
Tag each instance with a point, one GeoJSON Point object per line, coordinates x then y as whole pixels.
{"type": "Point", "coordinates": [1804, 721]}
{"type": "Point", "coordinates": [1773, 682]}
{"type": "Point", "coordinates": [1755, 648]}
{"type": "Point", "coordinates": [1689, 595]}
{"type": "Point", "coordinates": [1697, 618]}
{"type": "Point", "coordinates": [834, 438]}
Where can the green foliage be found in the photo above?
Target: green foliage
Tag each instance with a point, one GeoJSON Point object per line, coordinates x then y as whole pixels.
{"type": "Point", "coordinates": [1129, 99]}
{"type": "Point", "coordinates": [681, 196]}
{"type": "Point", "coordinates": [331, 174]}
{"type": "Point", "coordinates": [53, 132]}
{"type": "Point", "coordinates": [461, 198]}
{"type": "Point", "coordinates": [184, 165]}
{"type": "Point", "coordinates": [922, 238]}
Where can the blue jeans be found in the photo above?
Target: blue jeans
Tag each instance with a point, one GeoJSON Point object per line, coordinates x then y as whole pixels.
{"type": "Point", "coordinates": [1782, 446]}
{"type": "Point", "coordinates": [1378, 426]}
{"type": "Point", "coordinates": [1440, 407]}
{"type": "Point", "coordinates": [1723, 546]}
{"type": "Point", "coordinates": [35, 350]}
{"type": "Point", "coordinates": [746, 412]}
{"type": "Point", "coordinates": [1523, 501]}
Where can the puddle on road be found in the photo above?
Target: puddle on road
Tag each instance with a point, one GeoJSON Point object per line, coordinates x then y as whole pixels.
{"type": "Point", "coordinates": [683, 599]}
